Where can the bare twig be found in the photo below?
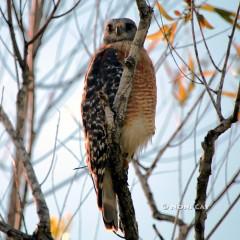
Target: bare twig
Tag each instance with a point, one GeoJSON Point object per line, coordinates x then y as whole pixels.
{"type": "Point", "coordinates": [167, 144]}
{"type": "Point", "coordinates": [219, 93]}
{"type": "Point", "coordinates": [13, 37]}
{"type": "Point", "coordinates": [221, 194]}
{"type": "Point", "coordinates": [43, 28]}
{"type": "Point", "coordinates": [206, 46]}
{"type": "Point", "coordinates": [200, 66]}
{"type": "Point", "coordinates": [208, 146]}
{"type": "Point", "coordinates": [68, 11]}
{"type": "Point", "coordinates": [42, 209]}
{"type": "Point", "coordinates": [151, 202]}
{"type": "Point", "coordinates": [223, 217]}
{"type": "Point", "coordinates": [157, 232]}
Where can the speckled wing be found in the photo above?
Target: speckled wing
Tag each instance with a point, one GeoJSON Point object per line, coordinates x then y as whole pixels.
{"type": "Point", "coordinates": [101, 84]}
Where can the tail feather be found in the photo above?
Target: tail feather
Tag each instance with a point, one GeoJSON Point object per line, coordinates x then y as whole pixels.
{"type": "Point", "coordinates": [109, 203]}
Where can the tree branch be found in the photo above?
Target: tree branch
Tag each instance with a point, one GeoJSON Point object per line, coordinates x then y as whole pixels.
{"type": "Point", "coordinates": [219, 92]}
{"type": "Point", "coordinates": [223, 217]}
{"type": "Point", "coordinates": [42, 209]}
{"type": "Point", "coordinates": [208, 146]}
{"type": "Point", "coordinates": [43, 28]}
{"type": "Point", "coordinates": [12, 33]}
{"type": "Point", "coordinates": [13, 233]}
{"type": "Point", "coordinates": [120, 173]}
{"type": "Point", "coordinates": [68, 11]}
{"type": "Point", "coordinates": [151, 202]}
{"type": "Point", "coordinates": [167, 144]}
{"type": "Point", "coordinates": [199, 64]}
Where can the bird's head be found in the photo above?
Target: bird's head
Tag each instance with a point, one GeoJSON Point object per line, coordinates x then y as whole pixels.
{"type": "Point", "coordinates": [119, 29]}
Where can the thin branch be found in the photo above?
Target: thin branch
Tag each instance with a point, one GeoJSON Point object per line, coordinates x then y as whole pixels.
{"type": "Point", "coordinates": [208, 146]}
{"type": "Point", "coordinates": [219, 94]}
{"type": "Point", "coordinates": [205, 43]}
{"type": "Point", "coordinates": [42, 209]}
{"type": "Point", "coordinates": [68, 11]}
{"type": "Point", "coordinates": [12, 34]}
{"type": "Point", "coordinates": [151, 201]}
{"type": "Point", "coordinates": [223, 217]}
{"type": "Point", "coordinates": [222, 193]}
{"type": "Point", "coordinates": [157, 232]}
{"type": "Point", "coordinates": [43, 28]}
{"type": "Point", "coordinates": [167, 144]}
{"type": "Point", "coordinates": [19, 21]}
{"type": "Point", "coordinates": [199, 63]}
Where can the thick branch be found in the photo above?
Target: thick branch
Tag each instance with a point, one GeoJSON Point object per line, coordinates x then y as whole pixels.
{"type": "Point", "coordinates": [13, 233]}
{"type": "Point", "coordinates": [42, 209]}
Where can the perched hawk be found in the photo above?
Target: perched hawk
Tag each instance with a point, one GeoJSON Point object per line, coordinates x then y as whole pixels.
{"type": "Point", "coordinates": [101, 85]}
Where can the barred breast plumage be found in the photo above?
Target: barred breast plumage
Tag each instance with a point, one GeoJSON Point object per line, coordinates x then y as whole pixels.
{"type": "Point", "coordinates": [139, 124]}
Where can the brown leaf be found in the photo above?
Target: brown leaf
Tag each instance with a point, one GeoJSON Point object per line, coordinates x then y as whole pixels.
{"type": "Point", "coordinates": [204, 22]}
{"type": "Point", "coordinates": [172, 31]}
{"type": "Point", "coordinates": [229, 94]}
{"type": "Point", "coordinates": [181, 93]}
{"type": "Point", "coordinates": [187, 17]}
{"type": "Point", "coordinates": [177, 13]}
{"type": "Point", "coordinates": [164, 30]}
{"type": "Point", "coordinates": [228, 16]}
{"type": "Point", "coordinates": [208, 73]}
{"type": "Point", "coordinates": [155, 36]}
{"type": "Point", "coordinates": [163, 12]}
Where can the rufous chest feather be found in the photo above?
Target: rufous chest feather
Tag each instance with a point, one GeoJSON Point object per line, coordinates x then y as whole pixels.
{"type": "Point", "coordinates": [139, 123]}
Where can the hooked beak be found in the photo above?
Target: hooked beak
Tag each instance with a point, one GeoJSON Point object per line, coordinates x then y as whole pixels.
{"type": "Point", "coordinates": [118, 30]}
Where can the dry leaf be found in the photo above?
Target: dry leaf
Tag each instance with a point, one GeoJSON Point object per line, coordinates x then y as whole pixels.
{"type": "Point", "coordinates": [204, 23]}
{"type": "Point", "coordinates": [191, 66]}
{"type": "Point", "coordinates": [183, 89]}
{"type": "Point", "coordinates": [177, 13]}
{"type": "Point", "coordinates": [164, 30]}
{"type": "Point", "coordinates": [180, 93]}
{"type": "Point", "coordinates": [187, 17]}
{"type": "Point", "coordinates": [208, 73]}
{"type": "Point", "coordinates": [229, 94]}
{"type": "Point", "coordinates": [172, 31]}
{"type": "Point", "coordinates": [163, 12]}
{"type": "Point", "coordinates": [228, 16]}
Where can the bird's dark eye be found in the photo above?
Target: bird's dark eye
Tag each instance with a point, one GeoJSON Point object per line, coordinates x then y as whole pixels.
{"type": "Point", "coordinates": [110, 27]}
{"type": "Point", "coordinates": [129, 27]}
